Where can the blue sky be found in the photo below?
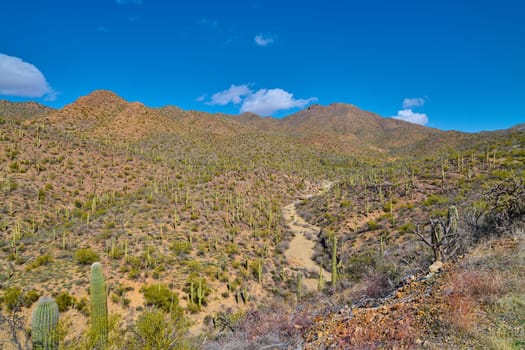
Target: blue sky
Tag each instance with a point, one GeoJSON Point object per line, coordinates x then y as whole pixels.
{"type": "Point", "coordinates": [447, 64]}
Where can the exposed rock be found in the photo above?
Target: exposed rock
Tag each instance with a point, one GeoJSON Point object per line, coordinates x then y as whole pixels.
{"type": "Point", "coordinates": [436, 267]}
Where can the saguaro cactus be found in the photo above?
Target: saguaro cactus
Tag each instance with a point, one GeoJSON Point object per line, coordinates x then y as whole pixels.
{"type": "Point", "coordinates": [99, 306]}
{"type": "Point", "coordinates": [200, 293]}
{"type": "Point", "coordinates": [259, 270]}
{"type": "Point", "coordinates": [320, 282]}
{"type": "Point", "coordinates": [334, 260]}
{"type": "Point", "coordinates": [299, 285]}
{"type": "Point", "coordinates": [44, 324]}
{"type": "Point", "coordinates": [381, 251]}
{"type": "Point", "coordinates": [453, 217]}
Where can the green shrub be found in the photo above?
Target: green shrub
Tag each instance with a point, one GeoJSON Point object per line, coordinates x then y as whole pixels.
{"type": "Point", "coordinates": [373, 225]}
{"type": "Point", "coordinates": [65, 301]}
{"type": "Point", "coordinates": [345, 204]}
{"type": "Point", "coordinates": [30, 297]}
{"type": "Point", "coordinates": [360, 264]}
{"type": "Point", "coordinates": [40, 260]}
{"type": "Point", "coordinates": [408, 227]}
{"type": "Point", "coordinates": [434, 199]}
{"type": "Point", "coordinates": [86, 256]}
{"type": "Point", "coordinates": [14, 298]}
{"type": "Point", "coordinates": [160, 296]}
{"type": "Point", "coordinates": [155, 330]}
{"type": "Point", "coordinates": [181, 247]}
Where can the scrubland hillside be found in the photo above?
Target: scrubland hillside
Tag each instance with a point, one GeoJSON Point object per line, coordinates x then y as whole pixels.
{"type": "Point", "coordinates": [186, 213]}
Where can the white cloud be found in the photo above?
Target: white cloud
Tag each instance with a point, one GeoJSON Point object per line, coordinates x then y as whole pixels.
{"type": "Point", "coordinates": [266, 102]}
{"type": "Point", "coordinates": [264, 39]}
{"type": "Point", "coordinates": [201, 98]}
{"type": "Point", "coordinates": [409, 116]}
{"type": "Point", "coordinates": [233, 95]}
{"type": "Point", "coordinates": [124, 2]}
{"type": "Point", "coordinates": [413, 102]}
{"type": "Point", "coordinates": [262, 102]}
{"type": "Point", "coordinates": [22, 79]}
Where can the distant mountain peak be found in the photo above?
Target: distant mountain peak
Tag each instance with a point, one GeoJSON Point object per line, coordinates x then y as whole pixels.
{"type": "Point", "coordinates": [101, 97]}
{"type": "Point", "coordinates": [23, 110]}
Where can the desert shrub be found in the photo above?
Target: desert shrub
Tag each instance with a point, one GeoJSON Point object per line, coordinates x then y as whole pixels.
{"type": "Point", "coordinates": [434, 199]}
{"type": "Point", "coordinates": [373, 225]}
{"type": "Point", "coordinates": [40, 260]}
{"type": "Point", "coordinates": [65, 301]}
{"type": "Point", "coordinates": [479, 285]}
{"type": "Point", "coordinates": [161, 297]}
{"type": "Point", "coordinates": [360, 264]}
{"type": "Point", "coordinates": [506, 204]}
{"type": "Point", "coordinates": [156, 330]}
{"type": "Point", "coordinates": [30, 297]}
{"type": "Point", "coordinates": [408, 227]}
{"type": "Point", "coordinates": [263, 328]}
{"type": "Point", "coordinates": [382, 281]}
{"type": "Point", "coordinates": [469, 289]}
{"type": "Point", "coordinates": [181, 247]}
{"type": "Point", "coordinates": [193, 308]}
{"type": "Point", "coordinates": [14, 298]}
{"type": "Point", "coordinates": [345, 204]}
{"type": "Point", "coordinates": [86, 256]}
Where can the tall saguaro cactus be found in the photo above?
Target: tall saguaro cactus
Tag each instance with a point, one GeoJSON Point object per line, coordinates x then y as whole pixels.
{"type": "Point", "coordinates": [259, 270]}
{"type": "Point", "coordinates": [44, 325]}
{"type": "Point", "coordinates": [99, 306]}
{"type": "Point", "coordinates": [320, 282]}
{"type": "Point", "coordinates": [334, 260]}
{"type": "Point", "coordinates": [453, 218]}
{"type": "Point", "coordinates": [299, 285]}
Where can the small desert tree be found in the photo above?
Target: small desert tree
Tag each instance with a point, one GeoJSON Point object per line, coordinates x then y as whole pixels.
{"type": "Point", "coordinates": [444, 239]}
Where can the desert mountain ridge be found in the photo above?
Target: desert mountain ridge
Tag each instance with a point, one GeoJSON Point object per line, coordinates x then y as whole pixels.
{"type": "Point", "coordinates": [334, 118]}
{"type": "Point", "coordinates": [338, 127]}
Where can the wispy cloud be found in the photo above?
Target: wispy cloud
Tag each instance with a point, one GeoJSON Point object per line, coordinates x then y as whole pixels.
{"type": "Point", "coordinates": [201, 98]}
{"type": "Point", "coordinates": [103, 29]}
{"type": "Point", "coordinates": [22, 79]}
{"type": "Point", "coordinates": [234, 94]}
{"type": "Point", "coordinates": [264, 39]}
{"type": "Point", "coordinates": [413, 102]}
{"type": "Point", "coordinates": [410, 116]}
{"type": "Point", "coordinates": [212, 23]}
{"type": "Point", "coordinates": [124, 2]}
{"type": "Point", "coordinates": [262, 101]}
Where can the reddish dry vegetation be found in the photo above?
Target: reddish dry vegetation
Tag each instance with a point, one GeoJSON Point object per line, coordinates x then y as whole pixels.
{"type": "Point", "coordinates": [457, 307]}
